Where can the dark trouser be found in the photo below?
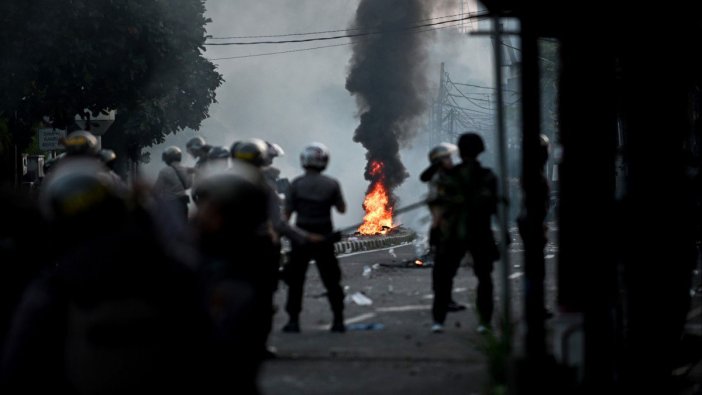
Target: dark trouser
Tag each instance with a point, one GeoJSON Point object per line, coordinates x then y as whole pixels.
{"type": "Point", "coordinates": [265, 285]}
{"type": "Point", "coordinates": [446, 261]}
{"type": "Point", "coordinates": [482, 267]}
{"type": "Point", "coordinates": [241, 301]}
{"type": "Point", "coordinates": [448, 258]}
{"type": "Point", "coordinates": [329, 271]}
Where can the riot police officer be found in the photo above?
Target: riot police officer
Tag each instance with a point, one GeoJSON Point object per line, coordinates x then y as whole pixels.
{"type": "Point", "coordinates": [272, 173]}
{"type": "Point", "coordinates": [109, 158]}
{"type": "Point", "coordinates": [173, 181]}
{"type": "Point", "coordinates": [81, 143]}
{"type": "Point", "coordinates": [255, 153]}
{"type": "Point", "coordinates": [115, 312]}
{"type": "Point", "coordinates": [312, 197]}
{"type": "Point", "coordinates": [218, 156]}
{"type": "Point", "coordinates": [470, 202]}
{"type": "Point", "coordinates": [440, 164]}
{"type": "Point", "coordinates": [198, 149]}
{"type": "Point", "coordinates": [233, 232]}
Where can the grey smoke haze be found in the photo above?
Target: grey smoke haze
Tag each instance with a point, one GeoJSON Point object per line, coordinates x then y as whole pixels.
{"type": "Point", "coordinates": [388, 77]}
{"type": "Point", "coordinates": [296, 98]}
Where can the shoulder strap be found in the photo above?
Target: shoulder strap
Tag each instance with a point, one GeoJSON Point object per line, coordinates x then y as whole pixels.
{"type": "Point", "coordinates": [180, 177]}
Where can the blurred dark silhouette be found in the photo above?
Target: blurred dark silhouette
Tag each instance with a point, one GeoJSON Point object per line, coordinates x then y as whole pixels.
{"type": "Point", "coordinates": [115, 312]}
{"type": "Point", "coordinates": [234, 235]}
{"type": "Point", "coordinates": [626, 216]}
{"type": "Point", "coordinates": [24, 251]}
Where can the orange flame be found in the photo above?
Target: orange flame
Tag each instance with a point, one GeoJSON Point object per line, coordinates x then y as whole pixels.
{"type": "Point", "coordinates": [378, 218]}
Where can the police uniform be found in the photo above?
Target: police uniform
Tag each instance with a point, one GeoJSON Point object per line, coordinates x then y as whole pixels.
{"type": "Point", "coordinates": [171, 184]}
{"type": "Point", "coordinates": [312, 196]}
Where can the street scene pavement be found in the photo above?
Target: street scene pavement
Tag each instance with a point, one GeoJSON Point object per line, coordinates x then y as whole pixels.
{"type": "Point", "coordinates": [388, 347]}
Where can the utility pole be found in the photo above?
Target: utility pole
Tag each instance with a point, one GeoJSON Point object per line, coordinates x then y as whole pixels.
{"type": "Point", "coordinates": [503, 207]}
{"type": "Point", "coordinates": [439, 110]}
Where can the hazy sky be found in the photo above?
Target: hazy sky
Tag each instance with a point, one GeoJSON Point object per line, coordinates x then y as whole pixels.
{"type": "Point", "coordinates": [296, 98]}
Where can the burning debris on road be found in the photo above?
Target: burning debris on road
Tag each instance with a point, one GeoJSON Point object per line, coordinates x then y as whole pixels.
{"type": "Point", "coordinates": [378, 218]}
{"type": "Point", "coordinates": [388, 77]}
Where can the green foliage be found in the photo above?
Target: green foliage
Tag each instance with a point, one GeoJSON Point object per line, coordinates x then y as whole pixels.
{"type": "Point", "coordinates": [33, 148]}
{"type": "Point", "coordinates": [141, 57]}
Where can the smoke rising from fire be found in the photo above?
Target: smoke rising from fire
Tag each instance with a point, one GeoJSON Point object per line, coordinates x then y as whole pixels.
{"type": "Point", "coordinates": [387, 75]}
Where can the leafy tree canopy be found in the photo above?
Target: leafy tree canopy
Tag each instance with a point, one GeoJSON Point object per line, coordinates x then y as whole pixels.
{"type": "Point", "coordinates": [141, 57]}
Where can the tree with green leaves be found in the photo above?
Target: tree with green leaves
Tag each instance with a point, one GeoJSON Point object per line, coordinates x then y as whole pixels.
{"type": "Point", "coordinates": [143, 58]}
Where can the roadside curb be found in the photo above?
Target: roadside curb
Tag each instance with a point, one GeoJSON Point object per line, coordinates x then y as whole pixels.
{"type": "Point", "coordinates": [369, 243]}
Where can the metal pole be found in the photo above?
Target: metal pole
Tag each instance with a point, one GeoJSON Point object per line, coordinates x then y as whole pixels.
{"type": "Point", "coordinates": [438, 131]}
{"type": "Point", "coordinates": [503, 206]}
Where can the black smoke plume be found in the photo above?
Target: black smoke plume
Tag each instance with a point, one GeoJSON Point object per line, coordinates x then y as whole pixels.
{"type": "Point", "coordinates": [387, 74]}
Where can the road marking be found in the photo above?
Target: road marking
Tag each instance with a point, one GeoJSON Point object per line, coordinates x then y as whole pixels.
{"type": "Point", "coordinates": [515, 275]}
{"type": "Point", "coordinates": [396, 309]}
{"type": "Point", "coordinates": [351, 320]}
{"type": "Point", "coordinates": [359, 318]}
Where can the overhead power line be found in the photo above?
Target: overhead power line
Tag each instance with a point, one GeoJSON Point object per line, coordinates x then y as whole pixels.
{"type": "Point", "coordinates": [520, 50]}
{"type": "Point", "coordinates": [281, 52]}
{"type": "Point", "coordinates": [483, 100]}
{"type": "Point", "coordinates": [351, 35]}
{"type": "Point", "coordinates": [483, 87]}
{"type": "Point", "coordinates": [326, 31]}
{"type": "Point", "coordinates": [466, 97]}
{"type": "Point", "coordinates": [466, 109]}
{"type": "Point", "coordinates": [318, 47]}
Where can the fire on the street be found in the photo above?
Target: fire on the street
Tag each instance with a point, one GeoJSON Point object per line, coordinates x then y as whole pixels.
{"type": "Point", "coordinates": [378, 218]}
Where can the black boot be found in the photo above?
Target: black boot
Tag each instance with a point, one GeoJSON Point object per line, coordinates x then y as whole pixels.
{"type": "Point", "coordinates": [338, 324]}
{"type": "Point", "coordinates": [293, 326]}
{"type": "Point", "coordinates": [453, 307]}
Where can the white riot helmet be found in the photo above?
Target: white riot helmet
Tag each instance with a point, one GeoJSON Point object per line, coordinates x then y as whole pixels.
{"type": "Point", "coordinates": [172, 154]}
{"type": "Point", "coordinates": [197, 147]}
{"type": "Point", "coordinates": [441, 151]}
{"type": "Point", "coordinates": [315, 156]}
{"type": "Point", "coordinates": [274, 150]}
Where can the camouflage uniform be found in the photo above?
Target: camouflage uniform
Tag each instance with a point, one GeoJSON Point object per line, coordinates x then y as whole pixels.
{"type": "Point", "coordinates": [469, 201]}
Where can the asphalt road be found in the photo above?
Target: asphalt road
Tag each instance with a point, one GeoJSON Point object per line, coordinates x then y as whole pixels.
{"type": "Point", "coordinates": [402, 357]}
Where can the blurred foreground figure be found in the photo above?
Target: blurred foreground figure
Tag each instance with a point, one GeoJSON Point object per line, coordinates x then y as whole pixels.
{"type": "Point", "coordinates": [272, 173]}
{"type": "Point", "coordinates": [116, 313]}
{"type": "Point", "coordinates": [533, 230]}
{"type": "Point", "coordinates": [81, 143]}
{"type": "Point", "coordinates": [218, 157]}
{"type": "Point", "coordinates": [312, 197]}
{"type": "Point", "coordinates": [234, 236]}
{"type": "Point", "coordinates": [22, 252]}
{"type": "Point", "coordinates": [255, 152]}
